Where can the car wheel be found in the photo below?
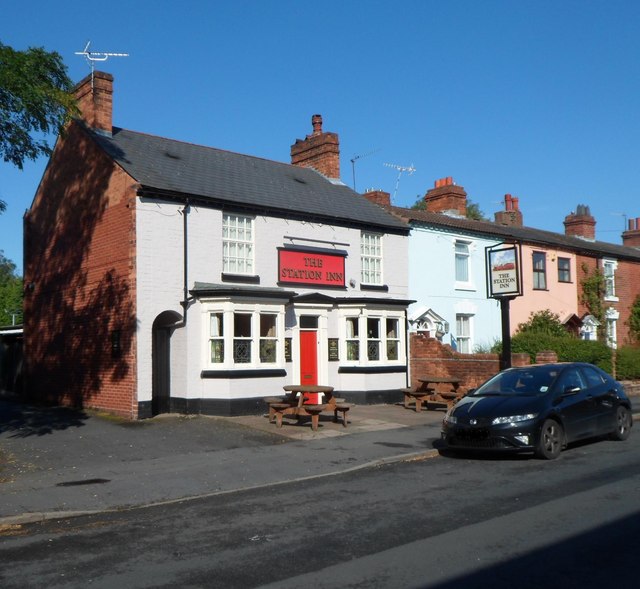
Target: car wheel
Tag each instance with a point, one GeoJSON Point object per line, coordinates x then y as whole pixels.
{"type": "Point", "coordinates": [550, 440]}
{"type": "Point", "coordinates": [623, 424]}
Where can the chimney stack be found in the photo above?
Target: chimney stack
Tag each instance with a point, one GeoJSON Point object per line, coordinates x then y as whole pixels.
{"type": "Point", "coordinates": [580, 224]}
{"type": "Point", "coordinates": [631, 237]}
{"type": "Point", "coordinates": [511, 216]}
{"type": "Point", "coordinates": [379, 197]}
{"type": "Point", "coordinates": [94, 95]}
{"type": "Point", "coordinates": [445, 197]}
{"type": "Point", "coordinates": [320, 151]}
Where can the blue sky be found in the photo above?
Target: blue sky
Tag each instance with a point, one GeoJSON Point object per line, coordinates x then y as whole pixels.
{"type": "Point", "coordinates": [536, 98]}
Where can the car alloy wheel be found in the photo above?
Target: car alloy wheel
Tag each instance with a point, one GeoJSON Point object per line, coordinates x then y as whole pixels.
{"type": "Point", "coordinates": [623, 424]}
{"type": "Point", "coordinates": [550, 440]}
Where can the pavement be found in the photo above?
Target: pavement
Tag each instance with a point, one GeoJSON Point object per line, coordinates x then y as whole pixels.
{"type": "Point", "coordinates": [59, 462]}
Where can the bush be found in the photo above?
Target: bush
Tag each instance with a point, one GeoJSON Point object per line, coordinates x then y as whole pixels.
{"type": "Point", "coordinates": [568, 349]}
{"type": "Point", "coordinates": [628, 363]}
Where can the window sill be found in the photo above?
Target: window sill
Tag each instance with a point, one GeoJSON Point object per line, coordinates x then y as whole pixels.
{"type": "Point", "coordinates": [372, 369]}
{"type": "Point", "coordinates": [243, 373]}
{"type": "Point", "coordinates": [465, 286]}
{"type": "Point", "coordinates": [242, 278]}
{"type": "Point", "coordinates": [375, 287]}
{"type": "Point", "coordinates": [611, 299]}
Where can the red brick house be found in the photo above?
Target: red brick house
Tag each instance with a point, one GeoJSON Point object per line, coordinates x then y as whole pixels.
{"type": "Point", "coordinates": [166, 276]}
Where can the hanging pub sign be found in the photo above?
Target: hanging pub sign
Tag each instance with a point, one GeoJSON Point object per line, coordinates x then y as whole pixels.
{"type": "Point", "coordinates": [310, 267]}
{"type": "Point", "coordinates": [503, 271]}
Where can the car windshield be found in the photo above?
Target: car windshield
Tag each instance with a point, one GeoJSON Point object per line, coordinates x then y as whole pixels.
{"type": "Point", "coordinates": [519, 381]}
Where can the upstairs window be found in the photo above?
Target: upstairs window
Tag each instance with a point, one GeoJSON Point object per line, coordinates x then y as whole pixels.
{"type": "Point", "coordinates": [539, 271]}
{"type": "Point", "coordinates": [371, 258]}
{"type": "Point", "coordinates": [564, 270]}
{"type": "Point", "coordinates": [237, 244]}
{"type": "Point", "coordinates": [609, 271]}
{"type": "Point", "coordinates": [462, 261]}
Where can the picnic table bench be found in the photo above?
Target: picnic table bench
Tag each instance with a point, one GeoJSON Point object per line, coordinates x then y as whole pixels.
{"type": "Point", "coordinates": [438, 390]}
{"type": "Point", "coordinates": [296, 403]}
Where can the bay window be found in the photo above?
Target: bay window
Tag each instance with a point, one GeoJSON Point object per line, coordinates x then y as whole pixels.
{"type": "Point", "coordinates": [379, 337]}
{"type": "Point", "coordinates": [245, 337]}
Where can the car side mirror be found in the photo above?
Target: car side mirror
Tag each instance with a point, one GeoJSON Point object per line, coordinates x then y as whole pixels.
{"type": "Point", "coordinates": [570, 390]}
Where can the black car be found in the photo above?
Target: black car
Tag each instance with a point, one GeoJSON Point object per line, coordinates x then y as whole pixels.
{"type": "Point", "coordinates": [539, 409]}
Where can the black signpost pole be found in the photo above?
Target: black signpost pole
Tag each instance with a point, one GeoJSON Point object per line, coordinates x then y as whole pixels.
{"type": "Point", "coordinates": [505, 358]}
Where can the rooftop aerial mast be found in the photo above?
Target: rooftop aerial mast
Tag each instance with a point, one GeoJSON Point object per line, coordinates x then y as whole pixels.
{"type": "Point", "coordinates": [93, 56]}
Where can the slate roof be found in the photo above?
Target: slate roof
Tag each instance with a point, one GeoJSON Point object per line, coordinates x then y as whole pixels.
{"type": "Point", "coordinates": [521, 234]}
{"type": "Point", "coordinates": [223, 178]}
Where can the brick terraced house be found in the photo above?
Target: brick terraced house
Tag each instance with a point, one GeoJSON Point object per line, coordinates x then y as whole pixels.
{"type": "Point", "coordinates": [447, 270]}
{"type": "Point", "coordinates": [165, 276]}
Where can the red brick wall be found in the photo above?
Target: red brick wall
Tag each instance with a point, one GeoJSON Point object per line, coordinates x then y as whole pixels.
{"type": "Point", "coordinates": [429, 356]}
{"type": "Point", "coordinates": [80, 281]}
{"type": "Point", "coordinates": [627, 285]}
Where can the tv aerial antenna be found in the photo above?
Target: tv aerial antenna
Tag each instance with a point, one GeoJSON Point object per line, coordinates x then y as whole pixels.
{"type": "Point", "coordinates": [93, 56]}
{"type": "Point", "coordinates": [401, 170]}
{"type": "Point", "coordinates": [354, 159]}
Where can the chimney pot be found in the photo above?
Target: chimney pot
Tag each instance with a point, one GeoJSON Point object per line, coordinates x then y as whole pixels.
{"type": "Point", "coordinates": [319, 150]}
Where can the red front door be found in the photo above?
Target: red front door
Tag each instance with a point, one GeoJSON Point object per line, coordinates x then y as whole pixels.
{"type": "Point", "coordinates": [309, 363]}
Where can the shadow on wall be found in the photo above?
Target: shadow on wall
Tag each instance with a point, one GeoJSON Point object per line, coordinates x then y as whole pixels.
{"type": "Point", "coordinates": [79, 315]}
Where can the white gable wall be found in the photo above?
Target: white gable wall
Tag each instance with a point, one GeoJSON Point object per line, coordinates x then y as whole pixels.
{"type": "Point", "coordinates": [432, 283]}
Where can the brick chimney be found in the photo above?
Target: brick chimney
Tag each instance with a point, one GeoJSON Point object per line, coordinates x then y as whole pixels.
{"type": "Point", "coordinates": [320, 151]}
{"type": "Point", "coordinates": [445, 197]}
{"type": "Point", "coordinates": [580, 224]}
{"type": "Point", "coordinates": [631, 237]}
{"type": "Point", "coordinates": [511, 216]}
{"type": "Point", "coordinates": [95, 101]}
{"type": "Point", "coordinates": [379, 197]}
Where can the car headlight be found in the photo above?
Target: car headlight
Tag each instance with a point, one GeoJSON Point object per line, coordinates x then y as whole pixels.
{"type": "Point", "coordinates": [513, 418]}
{"type": "Point", "coordinates": [450, 418]}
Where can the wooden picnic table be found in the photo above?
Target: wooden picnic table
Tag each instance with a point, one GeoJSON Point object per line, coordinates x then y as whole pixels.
{"type": "Point", "coordinates": [439, 390]}
{"type": "Point", "coordinates": [298, 404]}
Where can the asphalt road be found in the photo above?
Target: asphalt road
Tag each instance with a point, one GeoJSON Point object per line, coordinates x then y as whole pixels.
{"type": "Point", "coordinates": [440, 523]}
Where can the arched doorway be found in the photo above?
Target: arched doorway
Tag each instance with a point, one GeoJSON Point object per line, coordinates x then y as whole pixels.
{"type": "Point", "coordinates": [161, 361]}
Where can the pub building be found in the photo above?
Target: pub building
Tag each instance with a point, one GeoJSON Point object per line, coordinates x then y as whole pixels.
{"type": "Point", "coordinates": [211, 279]}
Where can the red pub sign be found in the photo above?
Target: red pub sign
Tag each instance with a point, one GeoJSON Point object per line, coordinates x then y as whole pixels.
{"type": "Point", "coordinates": [306, 267]}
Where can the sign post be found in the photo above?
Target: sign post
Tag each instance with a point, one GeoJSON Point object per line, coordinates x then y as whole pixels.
{"type": "Point", "coordinates": [504, 282]}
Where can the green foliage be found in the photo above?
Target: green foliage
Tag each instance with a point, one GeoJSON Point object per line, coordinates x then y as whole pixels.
{"type": "Point", "coordinates": [628, 363]}
{"type": "Point", "coordinates": [420, 204]}
{"type": "Point", "coordinates": [567, 348]}
{"type": "Point", "coordinates": [474, 212]}
{"type": "Point", "coordinates": [544, 323]}
{"type": "Point", "coordinates": [10, 293]}
{"type": "Point", "coordinates": [634, 321]}
{"type": "Point", "coordinates": [473, 209]}
{"type": "Point", "coordinates": [593, 289]}
{"type": "Point", "coordinates": [35, 100]}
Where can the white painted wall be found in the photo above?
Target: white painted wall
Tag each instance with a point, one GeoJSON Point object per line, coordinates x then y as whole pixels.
{"type": "Point", "coordinates": [159, 242]}
{"type": "Point", "coordinates": [433, 285]}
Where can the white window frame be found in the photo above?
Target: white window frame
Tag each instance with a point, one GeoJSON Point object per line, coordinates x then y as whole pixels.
{"type": "Point", "coordinates": [238, 248]}
{"type": "Point", "coordinates": [228, 310]}
{"type": "Point", "coordinates": [363, 317]}
{"type": "Point", "coordinates": [371, 258]}
{"type": "Point", "coordinates": [611, 317]}
{"type": "Point", "coordinates": [464, 340]}
{"type": "Point", "coordinates": [609, 279]}
{"type": "Point", "coordinates": [460, 256]}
